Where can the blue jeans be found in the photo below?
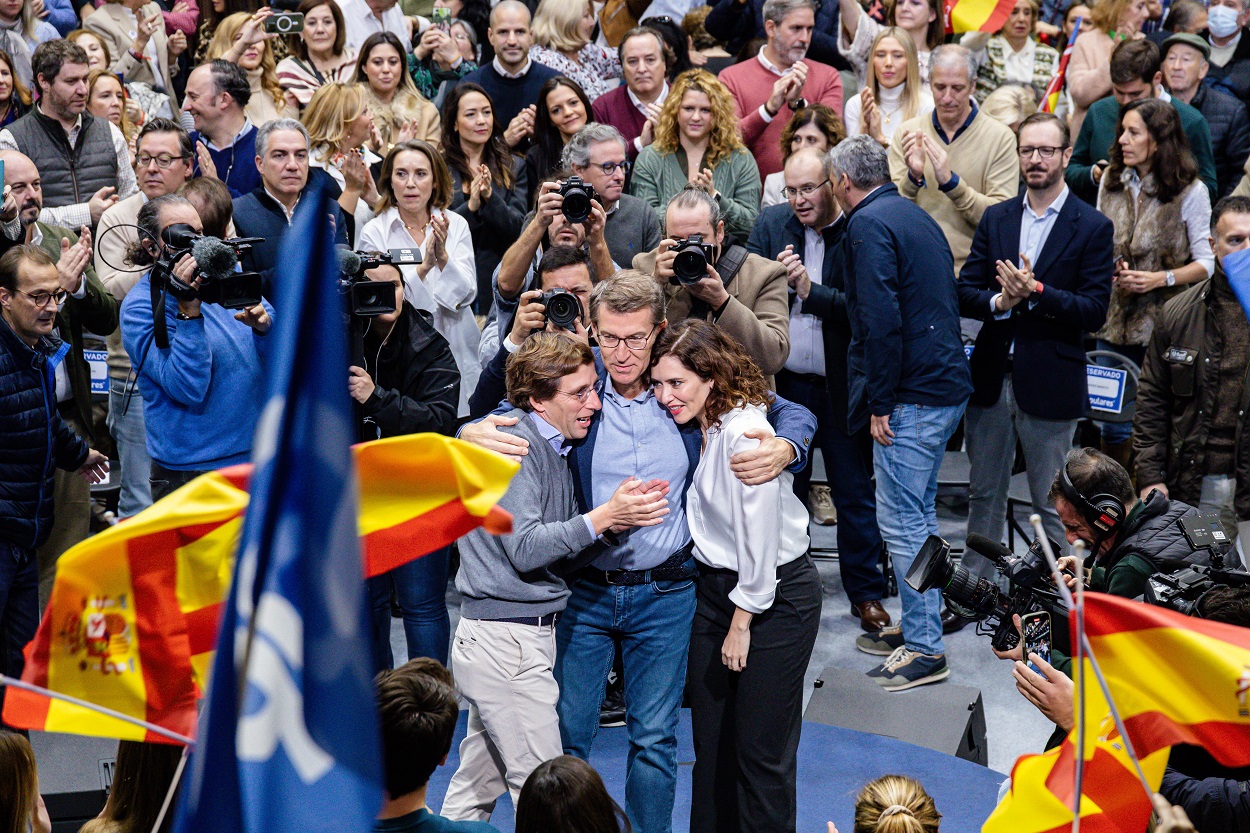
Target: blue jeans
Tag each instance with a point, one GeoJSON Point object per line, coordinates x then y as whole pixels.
{"type": "Point", "coordinates": [651, 622]}
{"type": "Point", "coordinates": [421, 588]}
{"type": "Point", "coordinates": [132, 450]}
{"type": "Point", "coordinates": [19, 606]}
{"type": "Point", "coordinates": [1119, 432]}
{"type": "Point", "coordinates": [907, 472]}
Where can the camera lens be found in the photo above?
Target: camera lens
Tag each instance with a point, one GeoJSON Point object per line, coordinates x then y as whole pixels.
{"type": "Point", "coordinates": [576, 206]}
{"type": "Point", "coordinates": [563, 309]}
{"type": "Point", "coordinates": [690, 265]}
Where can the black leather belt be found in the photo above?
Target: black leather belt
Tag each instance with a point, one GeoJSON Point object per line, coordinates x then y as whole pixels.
{"type": "Point", "coordinates": [536, 621]}
{"type": "Point", "coordinates": [673, 569]}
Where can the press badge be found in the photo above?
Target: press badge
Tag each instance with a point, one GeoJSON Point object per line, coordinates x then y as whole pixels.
{"type": "Point", "coordinates": [1179, 355]}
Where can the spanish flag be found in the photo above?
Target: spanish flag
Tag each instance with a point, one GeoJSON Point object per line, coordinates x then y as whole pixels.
{"type": "Point", "coordinates": [1051, 99]}
{"type": "Point", "coordinates": [976, 15]}
{"type": "Point", "coordinates": [132, 620]}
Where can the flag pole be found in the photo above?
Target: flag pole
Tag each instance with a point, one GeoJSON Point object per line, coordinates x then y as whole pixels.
{"type": "Point", "coordinates": [56, 695]}
{"type": "Point", "coordinates": [173, 786]}
{"type": "Point", "coordinates": [1073, 604]}
{"type": "Point", "coordinates": [1082, 716]}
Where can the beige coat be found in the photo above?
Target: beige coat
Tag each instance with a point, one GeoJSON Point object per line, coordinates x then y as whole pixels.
{"type": "Point", "coordinates": [110, 23]}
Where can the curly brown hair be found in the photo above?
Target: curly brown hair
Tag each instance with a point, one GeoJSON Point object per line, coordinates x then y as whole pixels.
{"type": "Point", "coordinates": [706, 351]}
{"type": "Point", "coordinates": [725, 137]}
{"type": "Point", "coordinates": [823, 117]}
{"type": "Point", "coordinates": [1173, 164]}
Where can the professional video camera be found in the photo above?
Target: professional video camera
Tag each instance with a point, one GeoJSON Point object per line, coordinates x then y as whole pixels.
{"type": "Point", "coordinates": [693, 257]}
{"type": "Point", "coordinates": [371, 298]}
{"type": "Point", "coordinates": [577, 196]}
{"type": "Point", "coordinates": [215, 260]}
{"type": "Point", "coordinates": [563, 308]}
{"type": "Point", "coordinates": [1028, 574]}
{"type": "Point", "coordinates": [1180, 585]}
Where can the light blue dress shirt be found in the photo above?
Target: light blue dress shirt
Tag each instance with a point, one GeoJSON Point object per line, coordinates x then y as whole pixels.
{"type": "Point", "coordinates": [561, 445]}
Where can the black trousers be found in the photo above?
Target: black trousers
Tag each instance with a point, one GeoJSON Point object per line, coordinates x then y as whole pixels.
{"type": "Point", "coordinates": [746, 724]}
{"type": "Point", "coordinates": [164, 481]}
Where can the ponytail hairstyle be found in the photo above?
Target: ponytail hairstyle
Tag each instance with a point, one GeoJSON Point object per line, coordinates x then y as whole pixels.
{"type": "Point", "coordinates": [895, 804]}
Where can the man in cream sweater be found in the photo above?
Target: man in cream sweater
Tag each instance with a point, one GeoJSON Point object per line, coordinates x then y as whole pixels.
{"type": "Point", "coordinates": [954, 162]}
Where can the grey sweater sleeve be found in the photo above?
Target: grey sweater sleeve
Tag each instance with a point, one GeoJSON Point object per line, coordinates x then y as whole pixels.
{"type": "Point", "coordinates": [534, 544]}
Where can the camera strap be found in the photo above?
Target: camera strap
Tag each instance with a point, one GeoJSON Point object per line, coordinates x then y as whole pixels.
{"type": "Point", "coordinates": [159, 299]}
{"type": "Point", "coordinates": [727, 267]}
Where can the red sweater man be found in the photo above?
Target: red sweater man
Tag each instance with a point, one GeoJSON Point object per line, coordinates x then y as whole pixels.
{"type": "Point", "coordinates": [767, 87]}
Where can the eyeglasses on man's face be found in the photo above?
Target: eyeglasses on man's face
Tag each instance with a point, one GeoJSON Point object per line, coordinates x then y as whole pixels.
{"type": "Point", "coordinates": [41, 299]}
{"type": "Point", "coordinates": [584, 394]}
{"type": "Point", "coordinates": [803, 190]}
{"type": "Point", "coordinates": [163, 161]}
{"type": "Point", "coordinates": [1027, 151]}
{"type": "Point", "coordinates": [636, 343]}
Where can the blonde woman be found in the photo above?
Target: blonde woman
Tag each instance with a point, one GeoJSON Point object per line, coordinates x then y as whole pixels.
{"type": "Point", "coordinates": [1013, 55]}
{"type": "Point", "coordinates": [339, 126]}
{"type": "Point", "coordinates": [106, 99]}
{"type": "Point", "coordinates": [400, 112]}
{"type": "Point", "coordinates": [921, 19]}
{"type": "Point", "coordinates": [134, 32]}
{"type": "Point", "coordinates": [893, 90]}
{"type": "Point", "coordinates": [20, 32]}
{"type": "Point", "coordinates": [895, 804]}
{"type": "Point", "coordinates": [1089, 69]}
{"type": "Point", "coordinates": [142, 101]}
{"type": "Point", "coordinates": [241, 39]}
{"type": "Point", "coordinates": [562, 40]}
{"type": "Point", "coordinates": [697, 142]}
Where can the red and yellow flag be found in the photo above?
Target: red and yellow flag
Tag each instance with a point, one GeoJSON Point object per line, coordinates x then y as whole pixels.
{"type": "Point", "coordinates": [132, 620]}
{"type": "Point", "coordinates": [1051, 99]}
{"type": "Point", "coordinates": [976, 15]}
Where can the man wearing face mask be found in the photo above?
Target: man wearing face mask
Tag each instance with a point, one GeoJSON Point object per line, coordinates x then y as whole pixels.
{"type": "Point", "coordinates": [1188, 431]}
{"type": "Point", "coordinates": [1230, 51]}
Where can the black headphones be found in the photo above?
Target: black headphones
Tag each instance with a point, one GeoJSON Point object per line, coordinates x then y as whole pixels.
{"type": "Point", "coordinates": [1104, 512]}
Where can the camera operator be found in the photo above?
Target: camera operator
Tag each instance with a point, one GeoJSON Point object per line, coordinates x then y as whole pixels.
{"type": "Point", "coordinates": [202, 394]}
{"type": "Point", "coordinates": [545, 227]}
{"type": "Point", "coordinates": [744, 294]}
{"type": "Point", "coordinates": [561, 268]}
{"type": "Point", "coordinates": [409, 384]}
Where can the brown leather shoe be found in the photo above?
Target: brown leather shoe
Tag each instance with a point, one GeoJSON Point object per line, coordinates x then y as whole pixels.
{"type": "Point", "coordinates": [872, 616]}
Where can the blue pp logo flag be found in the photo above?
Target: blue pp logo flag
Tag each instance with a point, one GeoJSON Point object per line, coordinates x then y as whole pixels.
{"type": "Point", "coordinates": [1237, 268]}
{"type": "Point", "coordinates": [288, 739]}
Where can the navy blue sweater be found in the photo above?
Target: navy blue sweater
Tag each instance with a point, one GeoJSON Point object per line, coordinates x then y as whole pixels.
{"type": "Point", "coordinates": [508, 95]}
{"type": "Point", "coordinates": [236, 165]}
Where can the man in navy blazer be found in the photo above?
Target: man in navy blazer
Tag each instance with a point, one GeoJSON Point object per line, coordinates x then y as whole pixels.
{"type": "Point", "coordinates": [909, 382]}
{"type": "Point", "coordinates": [638, 591]}
{"type": "Point", "coordinates": [805, 235]}
{"type": "Point", "coordinates": [1039, 276]}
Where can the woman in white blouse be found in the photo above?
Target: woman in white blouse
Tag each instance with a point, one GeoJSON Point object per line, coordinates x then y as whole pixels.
{"type": "Point", "coordinates": [414, 191]}
{"type": "Point", "coordinates": [893, 91]}
{"type": "Point", "coordinates": [759, 594]}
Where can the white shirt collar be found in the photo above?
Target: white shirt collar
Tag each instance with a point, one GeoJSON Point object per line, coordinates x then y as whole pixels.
{"type": "Point", "coordinates": [1164, 95]}
{"type": "Point", "coordinates": [289, 214]}
{"type": "Point", "coordinates": [1056, 206]}
{"type": "Point", "coordinates": [767, 64]}
{"type": "Point", "coordinates": [247, 125]}
{"type": "Point", "coordinates": [637, 102]}
{"type": "Point", "coordinates": [514, 75]}
{"type": "Point", "coordinates": [36, 236]}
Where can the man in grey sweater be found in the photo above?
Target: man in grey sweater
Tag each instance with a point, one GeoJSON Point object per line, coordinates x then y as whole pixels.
{"type": "Point", "coordinates": [503, 652]}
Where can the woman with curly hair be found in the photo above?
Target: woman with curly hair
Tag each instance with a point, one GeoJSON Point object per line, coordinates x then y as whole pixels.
{"type": "Point", "coordinates": [241, 39]}
{"type": "Point", "coordinates": [697, 142]}
{"type": "Point", "coordinates": [563, 40]}
{"type": "Point", "coordinates": [339, 126]}
{"type": "Point", "coordinates": [1161, 212]}
{"type": "Point", "coordinates": [814, 126]}
{"type": "Point", "coordinates": [14, 96]}
{"type": "Point", "coordinates": [563, 109]}
{"type": "Point", "coordinates": [758, 597]}
{"type": "Point", "coordinates": [400, 112]}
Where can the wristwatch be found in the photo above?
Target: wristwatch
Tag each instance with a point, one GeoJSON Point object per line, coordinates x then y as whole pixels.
{"type": "Point", "coordinates": [1169, 278]}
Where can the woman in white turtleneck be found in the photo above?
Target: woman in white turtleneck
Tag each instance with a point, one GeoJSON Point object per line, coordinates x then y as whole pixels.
{"type": "Point", "coordinates": [893, 91]}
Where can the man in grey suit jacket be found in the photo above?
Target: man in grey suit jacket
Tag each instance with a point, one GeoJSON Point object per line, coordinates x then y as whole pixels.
{"type": "Point", "coordinates": [504, 646]}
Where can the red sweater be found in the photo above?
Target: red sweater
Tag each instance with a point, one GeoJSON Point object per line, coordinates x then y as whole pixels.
{"type": "Point", "coordinates": [615, 108]}
{"type": "Point", "coordinates": [752, 83]}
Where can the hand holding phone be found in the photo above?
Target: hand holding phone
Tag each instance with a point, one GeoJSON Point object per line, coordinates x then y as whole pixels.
{"type": "Point", "coordinates": [1036, 636]}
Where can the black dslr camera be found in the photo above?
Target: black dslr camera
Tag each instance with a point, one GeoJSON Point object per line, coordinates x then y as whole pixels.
{"type": "Point", "coordinates": [577, 196]}
{"type": "Point", "coordinates": [215, 261]}
{"type": "Point", "coordinates": [1180, 585]}
{"type": "Point", "coordinates": [562, 308]}
{"type": "Point", "coordinates": [1028, 574]}
{"type": "Point", "coordinates": [366, 298]}
{"type": "Point", "coordinates": [693, 256]}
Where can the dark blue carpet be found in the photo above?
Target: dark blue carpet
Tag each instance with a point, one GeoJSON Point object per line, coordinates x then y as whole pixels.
{"type": "Point", "coordinates": [833, 764]}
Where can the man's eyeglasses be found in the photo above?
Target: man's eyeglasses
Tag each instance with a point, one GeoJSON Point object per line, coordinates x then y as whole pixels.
{"type": "Point", "coordinates": [162, 161]}
{"type": "Point", "coordinates": [584, 394]}
{"type": "Point", "coordinates": [41, 299]}
{"type": "Point", "coordinates": [609, 168]}
{"type": "Point", "coordinates": [1026, 152]}
{"type": "Point", "coordinates": [804, 190]}
{"type": "Point", "coordinates": [635, 343]}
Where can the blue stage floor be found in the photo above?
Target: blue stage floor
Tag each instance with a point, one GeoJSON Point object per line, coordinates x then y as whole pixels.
{"type": "Point", "coordinates": [833, 764]}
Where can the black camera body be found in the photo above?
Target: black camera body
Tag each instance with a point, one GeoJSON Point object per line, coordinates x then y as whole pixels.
{"type": "Point", "coordinates": [562, 308]}
{"type": "Point", "coordinates": [367, 298]}
{"type": "Point", "coordinates": [1180, 585]}
{"type": "Point", "coordinates": [216, 258]}
{"type": "Point", "coordinates": [692, 259]}
{"type": "Point", "coordinates": [576, 196]}
{"type": "Point", "coordinates": [1028, 575]}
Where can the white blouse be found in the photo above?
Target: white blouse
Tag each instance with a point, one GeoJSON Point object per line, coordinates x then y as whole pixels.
{"type": "Point", "coordinates": [751, 530]}
{"type": "Point", "coordinates": [446, 293]}
{"type": "Point", "coordinates": [890, 105]}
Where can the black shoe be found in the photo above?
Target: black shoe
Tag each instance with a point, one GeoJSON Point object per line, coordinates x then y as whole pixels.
{"type": "Point", "coordinates": [952, 622]}
{"type": "Point", "coordinates": [612, 712]}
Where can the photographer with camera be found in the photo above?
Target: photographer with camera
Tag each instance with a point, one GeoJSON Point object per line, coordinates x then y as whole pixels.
{"type": "Point", "coordinates": [201, 394]}
{"type": "Point", "coordinates": [705, 277]}
{"type": "Point", "coordinates": [560, 303]}
{"type": "Point", "coordinates": [546, 226]}
{"type": "Point", "coordinates": [408, 384]}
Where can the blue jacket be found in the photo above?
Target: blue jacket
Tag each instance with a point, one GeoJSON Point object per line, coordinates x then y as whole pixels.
{"type": "Point", "coordinates": [776, 228]}
{"type": "Point", "coordinates": [61, 15]}
{"type": "Point", "coordinates": [1074, 268]}
{"type": "Point", "coordinates": [900, 293]}
{"type": "Point", "coordinates": [34, 440]}
{"type": "Point", "coordinates": [202, 395]}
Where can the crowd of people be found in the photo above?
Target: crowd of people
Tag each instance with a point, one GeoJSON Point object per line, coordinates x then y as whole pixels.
{"type": "Point", "coordinates": [667, 252]}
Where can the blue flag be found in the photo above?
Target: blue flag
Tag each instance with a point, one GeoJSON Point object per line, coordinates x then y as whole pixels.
{"type": "Point", "coordinates": [1237, 268]}
{"type": "Point", "coordinates": [288, 739]}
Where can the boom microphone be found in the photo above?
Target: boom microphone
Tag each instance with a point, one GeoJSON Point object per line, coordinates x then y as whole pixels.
{"type": "Point", "coordinates": [214, 258]}
{"type": "Point", "coordinates": [992, 550]}
{"type": "Point", "coordinates": [349, 262]}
